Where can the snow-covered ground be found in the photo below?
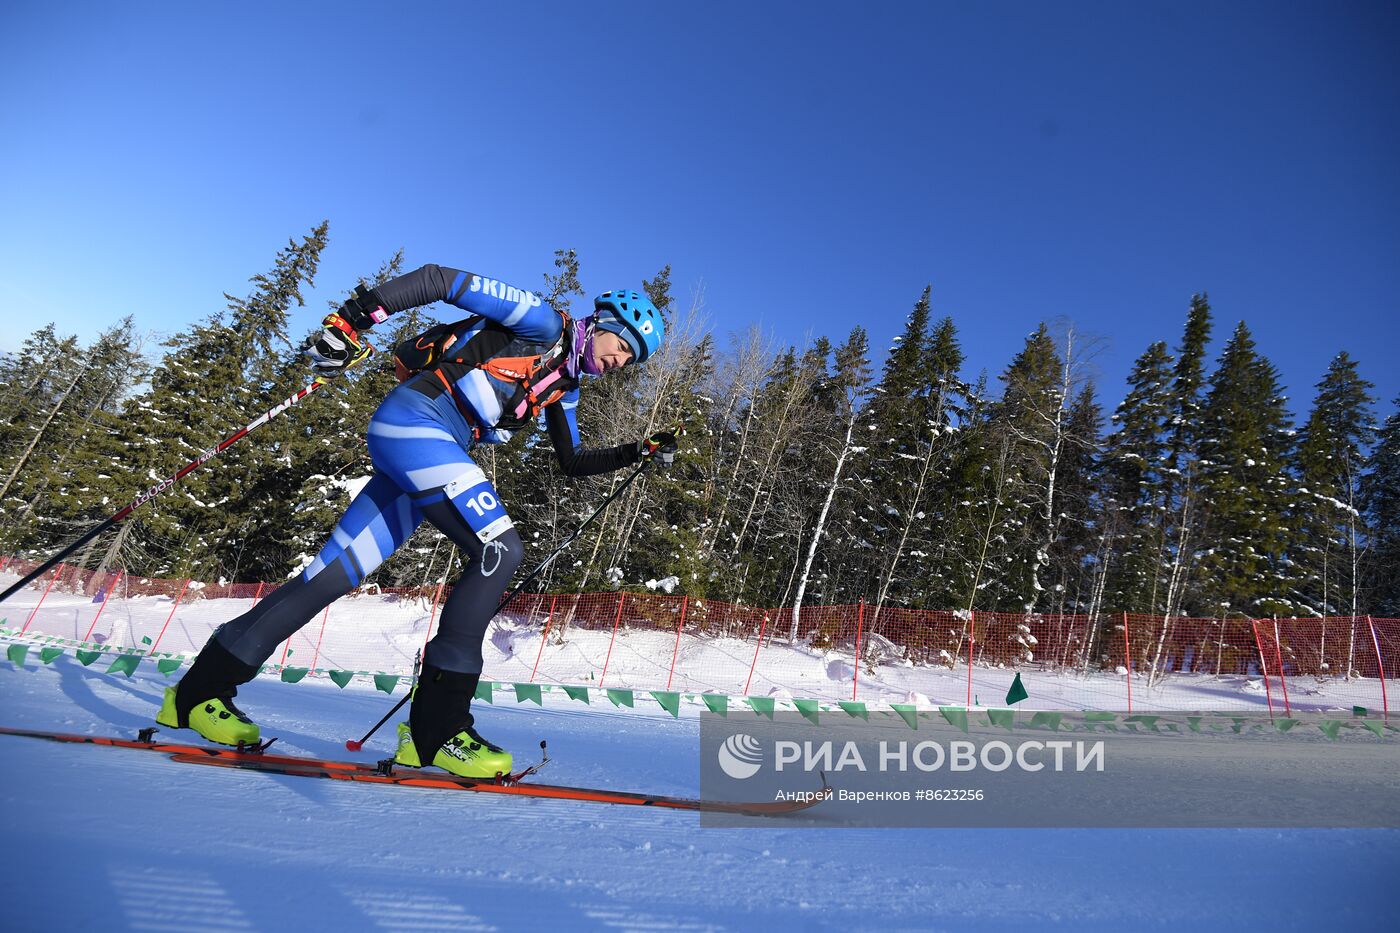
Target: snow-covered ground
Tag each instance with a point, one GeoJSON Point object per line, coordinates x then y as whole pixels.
{"type": "Point", "coordinates": [101, 838]}
{"type": "Point", "coordinates": [382, 634]}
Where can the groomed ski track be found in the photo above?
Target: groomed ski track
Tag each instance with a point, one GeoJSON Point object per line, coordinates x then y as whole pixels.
{"type": "Point", "coordinates": [106, 838]}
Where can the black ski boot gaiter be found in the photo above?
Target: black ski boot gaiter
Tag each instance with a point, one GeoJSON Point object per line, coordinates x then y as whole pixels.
{"type": "Point", "coordinates": [441, 708]}
{"type": "Point", "coordinates": [215, 673]}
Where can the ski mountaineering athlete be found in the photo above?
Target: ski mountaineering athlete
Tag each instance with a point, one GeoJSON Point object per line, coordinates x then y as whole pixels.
{"type": "Point", "coordinates": [472, 382]}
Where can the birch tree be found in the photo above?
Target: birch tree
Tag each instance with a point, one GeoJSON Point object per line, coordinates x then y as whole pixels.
{"type": "Point", "coordinates": [848, 387]}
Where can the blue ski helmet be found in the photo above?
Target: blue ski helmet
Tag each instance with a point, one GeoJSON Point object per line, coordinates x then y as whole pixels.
{"type": "Point", "coordinates": [633, 318]}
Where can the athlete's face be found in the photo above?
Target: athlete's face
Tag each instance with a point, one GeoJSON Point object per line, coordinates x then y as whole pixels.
{"type": "Point", "coordinates": [610, 351]}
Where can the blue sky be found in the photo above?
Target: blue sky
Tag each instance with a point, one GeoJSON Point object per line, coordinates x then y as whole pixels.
{"type": "Point", "coordinates": [812, 165]}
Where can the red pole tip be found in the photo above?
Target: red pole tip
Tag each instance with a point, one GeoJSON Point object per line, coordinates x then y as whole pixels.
{"type": "Point", "coordinates": [353, 746]}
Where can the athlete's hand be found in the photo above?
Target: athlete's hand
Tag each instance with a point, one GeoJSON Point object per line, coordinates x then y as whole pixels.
{"type": "Point", "coordinates": [364, 309]}
{"type": "Point", "coordinates": [660, 446]}
{"type": "Point", "coordinates": [338, 347]}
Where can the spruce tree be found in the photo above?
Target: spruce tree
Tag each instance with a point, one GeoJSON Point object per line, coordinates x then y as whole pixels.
{"type": "Point", "coordinates": [563, 285]}
{"type": "Point", "coordinates": [59, 475]}
{"type": "Point", "coordinates": [1136, 484]}
{"type": "Point", "coordinates": [1330, 458]}
{"type": "Point", "coordinates": [1025, 420]}
{"type": "Point", "coordinates": [1180, 525]}
{"type": "Point", "coordinates": [912, 421]}
{"type": "Point", "coordinates": [214, 378]}
{"type": "Point", "coordinates": [970, 517]}
{"type": "Point", "coordinates": [1188, 383]}
{"type": "Point", "coordinates": [1380, 496]}
{"type": "Point", "coordinates": [1246, 452]}
{"type": "Point", "coordinates": [37, 389]}
{"type": "Point", "coordinates": [1072, 552]}
{"type": "Point", "coordinates": [84, 459]}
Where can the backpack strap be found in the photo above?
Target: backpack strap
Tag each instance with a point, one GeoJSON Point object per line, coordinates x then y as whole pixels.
{"type": "Point", "coordinates": [540, 379]}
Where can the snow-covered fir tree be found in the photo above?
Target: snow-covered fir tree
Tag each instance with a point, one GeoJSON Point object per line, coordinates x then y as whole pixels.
{"type": "Point", "coordinates": [1247, 516]}
{"type": "Point", "coordinates": [1331, 454]}
{"type": "Point", "coordinates": [63, 473]}
{"type": "Point", "coordinates": [1380, 497]}
{"type": "Point", "coordinates": [1136, 494]}
{"type": "Point", "coordinates": [214, 378]}
{"type": "Point", "coordinates": [1073, 565]}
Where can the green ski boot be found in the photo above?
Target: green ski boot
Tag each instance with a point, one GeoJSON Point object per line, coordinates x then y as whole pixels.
{"type": "Point", "coordinates": [203, 699]}
{"type": "Point", "coordinates": [217, 719]}
{"type": "Point", "coordinates": [466, 754]}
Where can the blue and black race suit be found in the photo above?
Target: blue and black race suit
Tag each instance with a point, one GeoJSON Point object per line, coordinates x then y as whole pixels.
{"type": "Point", "coordinates": [419, 442]}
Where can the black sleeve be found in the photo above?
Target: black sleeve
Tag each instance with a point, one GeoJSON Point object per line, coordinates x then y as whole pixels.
{"type": "Point", "coordinates": [422, 287]}
{"type": "Point", "coordinates": [576, 462]}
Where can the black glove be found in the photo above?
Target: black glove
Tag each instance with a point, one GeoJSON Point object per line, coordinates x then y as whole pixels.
{"type": "Point", "coordinates": [337, 347]}
{"type": "Point", "coordinates": [364, 309]}
{"type": "Point", "coordinates": [660, 446]}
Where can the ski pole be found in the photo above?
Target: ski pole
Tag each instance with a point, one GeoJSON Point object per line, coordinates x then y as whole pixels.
{"type": "Point", "coordinates": [355, 746]}
{"type": "Point", "coordinates": [163, 485]}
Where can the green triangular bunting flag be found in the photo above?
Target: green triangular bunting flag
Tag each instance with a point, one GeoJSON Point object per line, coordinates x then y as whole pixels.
{"type": "Point", "coordinates": [292, 675]}
{"type": "Point", "coordinates": [1005, 718]}
{"type": "Point", "coordinates": [1047, 719]}
{"type": "Point", "coordinates": [620, 697]}
{"type": "Point", "coordinates": [1329, 727]}
{"type": "Point", "coordinates": [1377, 727]}
{"type": "Point", "coordinates": [762, 705]}
{"type": "Point", "coordinates": [386, 682]}
{"type": "Point", "coordinates": [808, 709]}
{"type": "Point", "coordinates": [47, 655]}
{"type": "Point", "coordinates": [717, 702]}
{"type": "Point", "coordinates": [485, 690]}
{"type": "Point", "coordinates": [1283, 725]}
{"type": "Point", "coordinates": [955, 715]}
{"type": "Point", "coordinates": [126, 664]}
{"type": "Point", "coordinates": [910, 714]}
{"type": "Point", "coordinates": [1017, 693]}
{"type": "Point", "coordinates": [577, 693]}
{"type": "Point", "coordinates": [168, 666]}
{"type": "Point", "coordinates": [16, 654]}
{"type": "Point", "coordinates": [670, 702]}
{"type": "Point", "coordinates": [525, 692]}
{"type": "Point", "coordinates": [855, 709]}
{"type": "Point", "coordinates": [87, 657]}
{"type": "Point", "coordinates": [340, 678]}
